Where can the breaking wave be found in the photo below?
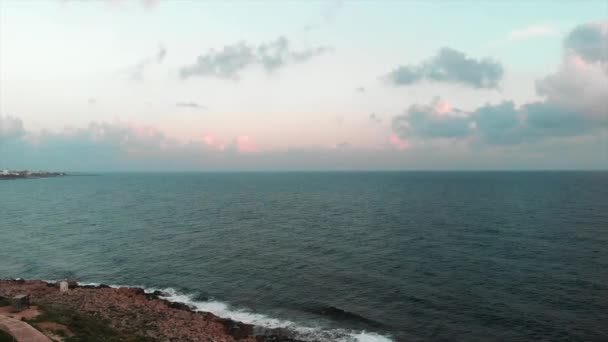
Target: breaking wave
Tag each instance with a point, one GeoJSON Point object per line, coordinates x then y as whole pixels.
{"type": "Point", "coordinates": [295, 330]}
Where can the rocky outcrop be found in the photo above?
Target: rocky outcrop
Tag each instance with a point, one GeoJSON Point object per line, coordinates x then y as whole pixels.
{"type": "Point", "coordinates": [133, 310]}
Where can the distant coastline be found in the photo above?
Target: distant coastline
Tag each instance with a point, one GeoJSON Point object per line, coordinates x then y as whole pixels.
{"type": "Point", "coordinates": [25, 174]}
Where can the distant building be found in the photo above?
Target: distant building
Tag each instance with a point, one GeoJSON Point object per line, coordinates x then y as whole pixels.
{"type": "Point", "coordinates": [21, 302]}
{"type": "Point", "coordinates": [63, 286]}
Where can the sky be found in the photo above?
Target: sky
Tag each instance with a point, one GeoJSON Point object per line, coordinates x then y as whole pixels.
{"type": "Point", "coordinates": [111, 85]}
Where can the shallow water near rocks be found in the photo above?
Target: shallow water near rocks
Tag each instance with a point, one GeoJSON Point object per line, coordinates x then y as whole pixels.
{"type": "Point", "coordinates": [405, 255]}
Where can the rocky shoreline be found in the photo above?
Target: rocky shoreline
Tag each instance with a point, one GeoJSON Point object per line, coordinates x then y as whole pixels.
{"type": "Point", "coordinates": [135, 312]}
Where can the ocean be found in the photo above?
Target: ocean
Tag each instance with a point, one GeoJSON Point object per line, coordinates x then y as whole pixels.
{"type": "Point", "coordinates": [348, 256]}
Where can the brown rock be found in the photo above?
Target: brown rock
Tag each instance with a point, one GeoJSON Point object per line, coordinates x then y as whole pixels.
{"type": "Point", "coordinates": [133, 311]}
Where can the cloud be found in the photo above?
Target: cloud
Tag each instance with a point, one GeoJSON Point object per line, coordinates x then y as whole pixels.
{"type": "Point", "coordinates": [146, 4]}
{"type": "Point", "coordinates": [500, 124]}
{"type": "Point", "coordinates": [161, 54]}
{"type": "Point", "coordinates": [450, 66]}
{"type": "Point", "coordinates": [115, 145]}
{"type": "Point", "coordinates": [360, 89]}
{"type": "Point", "coordinates": [341, 146]}
{"type": "Point", "coordinates": [214, 142]}
{"type": "Point", "coordinates": [574, 105]}
{"type": "Point", "coordinates": [244, 144]}
{"type": "Point", "coordinates": [531, 32]}
{"type": "Point", "coordinates": [123, 145]}
{"type": "Point", "coordinates": [92, 101]}
{"type": "Point", "coordinates": [10, 128]}
{"type": "Point", "coordinates": [431, 121]}
{"type": "Point", "coordinates": [328, 16]}
{"type": "Point", "coordinates": [578, 86]}
{"type": "Point", "coordinates": [373, 117]}
{"type": "Point", "coordinates": [149, 4]}
{"type": "Point", "coordinates": [190, 105]}
{"type": "Point", "coordinates": [506, 124]}
{"type": "Point", "coordinates": [124, 136]}
{"type": "Point", "coordinates": [581, 82]}
{"type": "Point", "coordinates": [497, 124]}
{"type": "Point", "coordinates": [228, 62]}
{"type": "Point", "coordinates": [136, 72]}
{"type": "Point", "coordinates": [332, 10]}
{"type": "Point", "coordinates": [129, 146]}
{"type": "Point", "coordinates": [305, 55]}
{"type": "Point", "coordinates": [589, 41]}
{"type": "Point", "coordinates": [398, 142]}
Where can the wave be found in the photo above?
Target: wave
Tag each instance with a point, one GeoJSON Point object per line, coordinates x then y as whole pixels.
{"type": "Point", "coordinates": [342, 315]}
{"type": "Point", "coordinates": [261, 321]}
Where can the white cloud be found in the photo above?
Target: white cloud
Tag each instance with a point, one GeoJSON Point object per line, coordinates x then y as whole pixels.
{"type": "Point", "coordinates": [530, 32]}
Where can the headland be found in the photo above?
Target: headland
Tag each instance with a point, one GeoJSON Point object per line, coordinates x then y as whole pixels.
{"type": "Point", "coordinates": [86, 312]}
{"type": "Point", "coordinates": [24, 174]}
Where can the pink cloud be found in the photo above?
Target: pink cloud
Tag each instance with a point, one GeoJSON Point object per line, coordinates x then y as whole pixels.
{"type": "Point", "coordinates": [442, 107]}
{"type": "Point", "coordinates": [244, 144]}
{"type": "Point", "coordinates": [212, 141]}
{"type": "Point", "coordinates": [143, 130]}
{"type": "Point", "coordinates": [578, 85]}
{"type": "Point", "coordinates": [398, 143]}
{"type": "Point", "coordinates": [579, 63]}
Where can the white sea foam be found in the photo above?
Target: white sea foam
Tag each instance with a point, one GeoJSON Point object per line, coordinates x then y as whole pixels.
{"type": "Point", "coordinates": [224, 310]}
{"type": "Point", "coordinates": [301, 332]}
{"type": "Point", "coordinates": [370, 337]}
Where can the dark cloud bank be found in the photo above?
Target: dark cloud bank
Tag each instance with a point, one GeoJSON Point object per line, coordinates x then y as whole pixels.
{"type": "Point", "coordinates": [122, 146]}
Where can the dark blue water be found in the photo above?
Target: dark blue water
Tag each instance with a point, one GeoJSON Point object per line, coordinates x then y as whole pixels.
{"type": "Point", "coordinates": [413, 256]}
